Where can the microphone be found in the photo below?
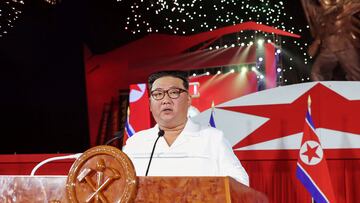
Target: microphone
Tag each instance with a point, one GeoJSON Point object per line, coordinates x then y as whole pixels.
{"type": "Point", "coordinates": [72, 156]}
{"type": "Point", "coordinates": [160, 134]}
{"type": "Point", "coordinates": [117, 136]}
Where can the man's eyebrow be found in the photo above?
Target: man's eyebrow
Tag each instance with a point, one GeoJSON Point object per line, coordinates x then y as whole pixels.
{"type": "Point", "coordinates": [171, 87]}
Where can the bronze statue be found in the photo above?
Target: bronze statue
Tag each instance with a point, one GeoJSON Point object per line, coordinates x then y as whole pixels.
{"type": "Point", "coordinates": [335, 26]}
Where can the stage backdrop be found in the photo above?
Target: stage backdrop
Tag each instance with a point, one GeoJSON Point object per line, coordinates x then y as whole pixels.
{"type": "Point", "coordinates": [132, 63]}
{"type": "Point", "coordinates": [265, 130]}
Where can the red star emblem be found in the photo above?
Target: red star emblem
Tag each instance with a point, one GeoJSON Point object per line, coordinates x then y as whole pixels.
{"type": "Point", "coordinates": [329, 110]}
{"type": "Point", "coordinates": [311, 152]}
{"type": "Point", "coordinates": [136, 88]}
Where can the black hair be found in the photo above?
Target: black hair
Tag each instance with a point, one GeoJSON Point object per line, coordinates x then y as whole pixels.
{"type": "Point", "coordinates": [172, 73]}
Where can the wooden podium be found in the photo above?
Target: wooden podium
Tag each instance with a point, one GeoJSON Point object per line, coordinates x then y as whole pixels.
{"type": "Point", "coordinates": [105, 174]}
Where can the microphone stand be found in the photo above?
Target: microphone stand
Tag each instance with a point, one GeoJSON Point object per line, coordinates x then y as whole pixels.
{"type": "Point", "coordinates": [118, 136]}
{"type": "Point", "coordinates": [160, 134]}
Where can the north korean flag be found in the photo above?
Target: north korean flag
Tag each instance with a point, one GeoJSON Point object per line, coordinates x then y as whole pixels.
{"type": "Point", "coordinates": [138, 115]}
{"type": "Point", "coordinates": [312, 169]}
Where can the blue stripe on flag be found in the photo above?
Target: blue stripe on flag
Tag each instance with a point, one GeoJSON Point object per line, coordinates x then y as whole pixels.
{"type": "Point", "coordinates": [310, 186]}
{"type": "Point", "coordinates": [309, 119]}
{"type": "Point", "coordinates": [212, 120]}
{"type": "Point", "coordinates": [129, 129]}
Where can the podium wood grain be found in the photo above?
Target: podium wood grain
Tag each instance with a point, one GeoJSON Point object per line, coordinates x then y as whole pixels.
{"type": "Point", "coordinates": [21, 189]}
{"type": "Point", "coordinates": [105, 174]}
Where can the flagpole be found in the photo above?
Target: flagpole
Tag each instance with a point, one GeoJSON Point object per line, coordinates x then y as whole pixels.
{"type": "Point", "coordinates": [309, 104]}
{"type": "Point", "coordinates": [212, 120]}
{"type": "Point", "coordinates": [126, 135]}
{"type": "Point", "coordinates": [309, 110]}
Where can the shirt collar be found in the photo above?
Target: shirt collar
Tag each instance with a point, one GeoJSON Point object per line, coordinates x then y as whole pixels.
{"type": "Point", "coordinates": [191, 128]}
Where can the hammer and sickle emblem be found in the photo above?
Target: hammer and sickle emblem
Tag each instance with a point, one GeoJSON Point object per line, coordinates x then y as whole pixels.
{"type": "Point", "coordinates": [91, 180]}
{"type": "Point", "coordinates": [98, 187]}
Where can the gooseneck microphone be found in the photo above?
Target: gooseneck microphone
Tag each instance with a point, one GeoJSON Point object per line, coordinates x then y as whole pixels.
{"type": "Point", "coordinates": [160, 134]}
{"type": "Point", "coordinates": [118, 136]}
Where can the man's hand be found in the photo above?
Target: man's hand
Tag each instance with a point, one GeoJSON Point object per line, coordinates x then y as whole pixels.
{"type": "Point", "coordinates": [314, 48]}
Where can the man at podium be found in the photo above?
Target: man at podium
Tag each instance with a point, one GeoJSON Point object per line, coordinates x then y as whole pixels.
{"type": "Point", "coordinates": [176, 146]}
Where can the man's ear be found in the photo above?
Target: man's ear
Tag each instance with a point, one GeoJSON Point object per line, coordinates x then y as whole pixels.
{"type": "Point", "coordinates": [189, 100]}
{"type": "Point", "coordinates": [150, 104]}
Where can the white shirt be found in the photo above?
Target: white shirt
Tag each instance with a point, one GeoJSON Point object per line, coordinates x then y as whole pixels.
{"type": "Point", "coordinates": [197, 151]}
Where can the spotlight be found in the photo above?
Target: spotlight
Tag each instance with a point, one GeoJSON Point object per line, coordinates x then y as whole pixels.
{"type": "Point", "coordinates": [260, 42]}
{"type": "Point", "coordinates": [232, 71]}
{"type": "Point", "coordinates": [244, 69]}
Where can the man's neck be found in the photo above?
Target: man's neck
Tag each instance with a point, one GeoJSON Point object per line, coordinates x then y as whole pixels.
{"type": "Point", "coordinates": [172, 133]}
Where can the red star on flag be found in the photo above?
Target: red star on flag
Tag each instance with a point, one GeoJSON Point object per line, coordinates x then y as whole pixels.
{"type": "Point", "coordinates": [136, 88]}
{"type": "Point", "coordinates": [311, 152]}
{"type": "Point", "coordinates": [331, 111]}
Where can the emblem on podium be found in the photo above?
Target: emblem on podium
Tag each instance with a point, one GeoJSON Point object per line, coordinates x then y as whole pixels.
{"type": "Point", "coordinates": [102, 174]}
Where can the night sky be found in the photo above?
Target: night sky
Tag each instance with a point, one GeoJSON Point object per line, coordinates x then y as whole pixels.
{"type": "Point", "coordinates": [43, 96]}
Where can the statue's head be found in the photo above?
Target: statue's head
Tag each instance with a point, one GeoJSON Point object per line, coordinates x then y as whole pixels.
{"type": "Point", "coordinates": [327, 3]}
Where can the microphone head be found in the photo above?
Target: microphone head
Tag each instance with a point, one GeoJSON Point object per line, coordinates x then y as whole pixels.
{"type": "Point", "coordinates": [161, 133]}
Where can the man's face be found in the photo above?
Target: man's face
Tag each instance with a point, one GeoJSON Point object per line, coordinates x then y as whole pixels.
{"type": "Point", "coordinates": [327, 3]}
{"type": "Point", "coordinates": [169, 112]}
